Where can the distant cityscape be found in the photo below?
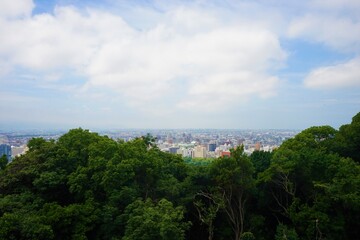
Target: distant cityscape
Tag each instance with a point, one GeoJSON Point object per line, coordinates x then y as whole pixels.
{"type": "Point", "coordinates": [192, 143]}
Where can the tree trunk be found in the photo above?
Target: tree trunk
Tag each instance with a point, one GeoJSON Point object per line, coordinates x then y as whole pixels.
{"type": "Point", "coordinates": [211, 231]}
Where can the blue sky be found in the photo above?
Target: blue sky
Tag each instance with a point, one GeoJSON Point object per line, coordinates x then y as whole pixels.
{"type": "Point", "coordinates": [179, 64]}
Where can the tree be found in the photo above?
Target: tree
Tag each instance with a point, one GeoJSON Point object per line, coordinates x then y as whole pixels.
{"type": "Point", "coordinates": [149, 140]}
{"type": "Point", "coordinates": [296, 164]}
{"type": "Point", "coordinates": [260, 160]}
{"type": "Point", "coordinates": [207, 206]}
{"type": "Point", "coordinates": [247, 236]}
{"type": "Point", "coordinates": [302, 174]}
{"type": "Point", "coordinates": [347, 141]}
{"type": "Point", "coordinates": [284, 233]}
{"type": "Point", "coordinates": [148, 220]}
{"type": "Point", "coordinates": [87, 186]}
{"type": "Point", "coordinates": [233, 177]}
{"type": "Point", "coordinates": [3, 162]}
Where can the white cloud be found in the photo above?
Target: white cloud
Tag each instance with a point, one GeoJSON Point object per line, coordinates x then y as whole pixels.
{"type": "Point", "coordinates": [340, 33]}
{"type": "Point", "coordinates": [65, 39]}
{"type": "Point", "coordinates": [336, 25]}
{"type": "Point", "coordinates": [334, 77]}
{"type": "Point", "coordinates": [15, 8]}
{"type": "Point", "coordinates": [147, 65]}
{"type": "Point", "coordinates": [219, 92]}
{"type": "Point", "coordinates": [208, 56]}
{"type": "Point", "coordinates": [190, 53]}
{"type": "Point", "coordinates": [171, 62]}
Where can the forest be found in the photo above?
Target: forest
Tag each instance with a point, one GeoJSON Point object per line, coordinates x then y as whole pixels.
{"type": "Point", "coordinates": [87, 186]}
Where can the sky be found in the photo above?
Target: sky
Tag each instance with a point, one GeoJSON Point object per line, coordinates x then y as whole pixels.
{"type": "Point", "coordinates": [228, 64]}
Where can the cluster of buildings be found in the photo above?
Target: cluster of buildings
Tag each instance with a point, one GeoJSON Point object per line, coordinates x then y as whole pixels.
{"type": "Point", "coordinates": [14, 144]}
{"type": "Point", "coordinates": [210, 143]}
{"type": "Point", "coordinates": [212, 149]}
{"type": "Point", "coordinates": [12, 151]}
{"type": "Point", "coordinates": [191, 143]}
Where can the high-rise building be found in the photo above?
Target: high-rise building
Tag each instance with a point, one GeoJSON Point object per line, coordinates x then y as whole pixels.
{"type": "Point", "coordinates": [211, 147]}
{"type": "Point", "coordinates": [5, 149]}
{"type": "Point", "coordinates": [200, 152]}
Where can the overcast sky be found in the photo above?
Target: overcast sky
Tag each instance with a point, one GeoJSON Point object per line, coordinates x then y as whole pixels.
{"type": "Point", "coordinates": [179, 64]}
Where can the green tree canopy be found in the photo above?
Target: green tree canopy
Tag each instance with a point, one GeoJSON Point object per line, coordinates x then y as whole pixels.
{"type": "Point", "coordinates": [147, 220]}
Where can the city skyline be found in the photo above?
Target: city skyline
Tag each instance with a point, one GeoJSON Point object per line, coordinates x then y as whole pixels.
{"type": "Point", "coordinates": [178, 64]}
{"type": "Point", "coordinates": [204, 143]}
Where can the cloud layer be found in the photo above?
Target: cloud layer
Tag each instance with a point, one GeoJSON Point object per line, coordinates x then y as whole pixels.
{"type": "Point", "coordinates": [16, 8]}
{"type": "Point", "coordinates": [182, 62]}
{"type": "Point", "coordinates": [209, 57]}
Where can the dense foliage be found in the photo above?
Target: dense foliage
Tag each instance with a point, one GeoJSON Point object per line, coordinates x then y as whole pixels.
{"type": "Point", "coordinates": [86, 186]}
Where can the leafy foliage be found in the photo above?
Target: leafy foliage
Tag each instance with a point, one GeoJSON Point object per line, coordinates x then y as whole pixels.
{"type": "Point", "coordinates": [87, 186]}
{"type": "Point", "coordinates": [146, 220]}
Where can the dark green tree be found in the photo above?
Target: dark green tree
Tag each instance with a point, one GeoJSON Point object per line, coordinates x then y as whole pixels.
{"type": "Point", "coordinates": [260, 160]}
{"type": "Point", "coordinates": [300, 176]}
{"type": "Point", "coordinates": [234, 181]}
{"type": "Point", "coordinates": [347, 141]}
{"type": "Point", "coordinates": [284, 233]}
{"type": "Point", "coordinates": [149, 220]}
{"type": "Point", "coordinates": [3, 162]}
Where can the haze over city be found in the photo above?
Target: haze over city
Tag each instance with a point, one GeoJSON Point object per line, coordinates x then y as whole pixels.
{"type": "Point", "coordinates": [179, 64]}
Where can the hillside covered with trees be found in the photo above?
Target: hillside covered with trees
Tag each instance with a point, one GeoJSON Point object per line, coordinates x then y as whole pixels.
{"type": "Point", "coordinates": [87, 186]}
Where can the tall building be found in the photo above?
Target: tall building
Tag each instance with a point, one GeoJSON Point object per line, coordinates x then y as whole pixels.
{"type": "Point", "coordinates": [211, 147]}
{"type": "Point", "coordinates": [5, 150]}
{"type": "Point", "coordinates": [200, 152]}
